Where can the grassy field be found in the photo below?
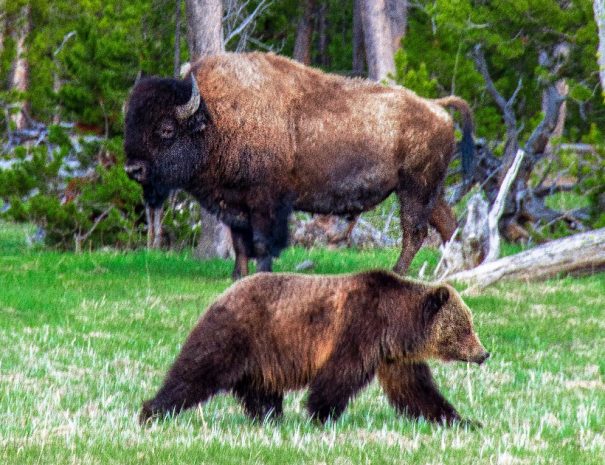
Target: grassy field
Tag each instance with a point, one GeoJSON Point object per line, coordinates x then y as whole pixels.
{"type": "Point", "coordinates": [85, 338]}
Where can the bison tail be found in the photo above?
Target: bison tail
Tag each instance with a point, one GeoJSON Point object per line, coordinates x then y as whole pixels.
{"type": "Point", "coordinates": [467, 145]}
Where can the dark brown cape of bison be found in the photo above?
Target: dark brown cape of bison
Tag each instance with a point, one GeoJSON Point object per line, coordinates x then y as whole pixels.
{"type": "Point", "coordinates": [253, 136]}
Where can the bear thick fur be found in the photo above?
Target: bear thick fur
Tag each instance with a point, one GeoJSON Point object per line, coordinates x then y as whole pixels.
{"type": "Point", "coordinates": [271, 333]}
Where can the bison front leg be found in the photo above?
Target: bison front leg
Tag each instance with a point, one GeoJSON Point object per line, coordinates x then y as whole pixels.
{"type": "Point", "coordinates": [270, 232]}
{"type": "Point", "coordinates": [242, 245]}
{"type": "Point", "coordinates": [261, 241]}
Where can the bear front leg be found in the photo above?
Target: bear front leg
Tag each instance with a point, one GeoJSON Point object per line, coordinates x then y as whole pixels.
{"type": "Point", "coordinates": [259, 404]}
{"type": "Point", "coordinates": [411, 389]}
{"type": "Point", "coordinates": [332, 389]}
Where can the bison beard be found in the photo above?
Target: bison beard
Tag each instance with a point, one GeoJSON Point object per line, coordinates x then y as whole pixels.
{"type": "Point", "coordinates": [254, 136]}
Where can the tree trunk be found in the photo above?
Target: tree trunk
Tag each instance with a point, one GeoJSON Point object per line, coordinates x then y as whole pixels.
{"type": "Point", "coordinates": [176, 67]}
{"type": "Point", "coordinates": [563, 89]}
{"type": "Point", "coordinates": [204, 28]}
{"type": "Point", "coordinates": [205, 37]}
{"type": "Point", "coordinates": [19, 79]}
{"type": "Point", "coordinates": [215, 241]}
{"type": "Point", "coordinates": [359, 51]}
{"type": "Point", "coordinates": [2, 24]}
{"type": "Point", "coordinates": [304, 34]}
{"type": "Point", "coordinates": [599, 15]}
{"type": "Point", "coordinates": [322, 32]}
{"type": "Point", "coordinates": [377, 39]}
{"type": "Point", "coordinates": [578, 254]}
{"type": "Point", "coordinates": [397, 12]}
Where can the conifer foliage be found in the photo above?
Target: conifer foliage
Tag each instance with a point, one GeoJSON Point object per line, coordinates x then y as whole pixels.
{"type": "Point", "coordinates": [63, 169]}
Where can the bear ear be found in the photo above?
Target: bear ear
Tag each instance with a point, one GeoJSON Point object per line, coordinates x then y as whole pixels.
{"type": "Point", "coordinates": [433, 301]}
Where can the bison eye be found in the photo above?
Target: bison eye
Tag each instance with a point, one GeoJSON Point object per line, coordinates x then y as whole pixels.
{"type": "Point", "coordinates": [166, 130]}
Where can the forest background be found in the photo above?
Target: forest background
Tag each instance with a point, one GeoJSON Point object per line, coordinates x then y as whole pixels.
{"type": "Point", "coordinates": [66, 68]}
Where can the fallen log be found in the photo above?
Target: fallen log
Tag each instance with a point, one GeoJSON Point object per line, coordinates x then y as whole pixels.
{"type": "Point", "coordinates": [582, 253]}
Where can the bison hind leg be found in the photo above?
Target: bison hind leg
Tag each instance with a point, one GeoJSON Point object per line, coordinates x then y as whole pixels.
{"type": "Point", "coordinates": [416, 205]}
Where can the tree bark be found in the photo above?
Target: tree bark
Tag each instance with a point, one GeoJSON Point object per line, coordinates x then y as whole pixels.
{"type": "Point", "coordinates": [322, 34]}
{"type": "Point", "coordinates": [578, 254]}
{"type": "Point", "coordinates": [377, 39]}
{"type": "Point", "coordinates": [19, 79]}
{"type": "Point", "coordinates": [304, 33]}
{"type": "Point", "coordinates": [563, 89]}
{"type": "Point", "coordinates": [205, 37]}
{"type": "Point", "coordinates": [359, 62]}
{"type": "Point", "coordinates": [397, 12]}
{"type": "Point", "coordinates": [176, 67]}
{"type": "Point", "coordinates": [204, 28]}
{"type": "Point", "coordinates": [2, 24]}
{"type": "Point", "coordinates": [599, 15]}
{"type": "Point", "coordinates": [215, 241]}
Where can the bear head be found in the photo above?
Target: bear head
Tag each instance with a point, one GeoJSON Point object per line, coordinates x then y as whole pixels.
{"type": "Point", "coordinates": [449, 324]}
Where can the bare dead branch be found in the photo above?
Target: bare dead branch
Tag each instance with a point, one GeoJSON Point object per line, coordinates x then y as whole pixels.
{"type": "Point", "coordinates": [578, 148]}
{"type": "Point", "coordinates": [536, 144]}
{"type": "Point", "coordinates": [66, 37]}
{"type": "Point", "coordinates": [545, 191]}
{"type": "Point", "coordinates": [79, 238]}
{"type": "Point", "coordinates": [506, 106]}
{"type": "Point", "coordinates": [387, 223]}
{"type": "Point", "coordinates": [496, 211]}
{"type": "Point", "coordinates": [262, 6]}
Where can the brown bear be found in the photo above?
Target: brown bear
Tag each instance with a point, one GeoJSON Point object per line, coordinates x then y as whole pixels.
{"type": "Point", "coordinates": [271, 333]}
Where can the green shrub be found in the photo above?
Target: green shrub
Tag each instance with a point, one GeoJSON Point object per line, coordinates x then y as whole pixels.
{"type": "Point", "coordinates": [90, 205]}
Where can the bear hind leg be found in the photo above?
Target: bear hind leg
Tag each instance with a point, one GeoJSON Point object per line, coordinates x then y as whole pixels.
{"type": "Point", "coordinates": [173, 398]}
{"type": "Point", "coordinates": [259, 404]}
{"type": "Point", "coordinates": [185, 387]}
{"type": "Point", "coordinates": [411, 389]}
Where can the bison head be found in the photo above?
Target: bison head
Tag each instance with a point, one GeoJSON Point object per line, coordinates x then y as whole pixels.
{"type": "Point", "coordinates": [164, 135]}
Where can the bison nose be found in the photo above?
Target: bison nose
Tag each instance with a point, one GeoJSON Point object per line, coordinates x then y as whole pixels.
{"type": "Point", "coordinates": [136, 170]}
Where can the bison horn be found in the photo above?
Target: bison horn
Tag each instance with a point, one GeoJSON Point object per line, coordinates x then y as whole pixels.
{"type": "Point", "coordinates": [187, 109]}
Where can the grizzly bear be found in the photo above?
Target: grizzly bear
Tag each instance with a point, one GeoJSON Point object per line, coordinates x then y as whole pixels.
{"type": "Point", "coordinates": [271, 333]}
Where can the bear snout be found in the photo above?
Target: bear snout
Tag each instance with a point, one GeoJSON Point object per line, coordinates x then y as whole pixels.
{"type": "Point", "coordinates": [481, 358]}
{"type": "Point", "coordinates": [147, 414]}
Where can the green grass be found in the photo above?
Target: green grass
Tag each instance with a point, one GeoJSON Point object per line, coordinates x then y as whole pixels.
{"type": "Point", "coordinates": [566, 201]}
{"type": "Point", "coordinates": [85, 338]}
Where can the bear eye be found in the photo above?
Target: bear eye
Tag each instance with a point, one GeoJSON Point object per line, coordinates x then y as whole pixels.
{"type": "Point", "coordinates": [166, 130]}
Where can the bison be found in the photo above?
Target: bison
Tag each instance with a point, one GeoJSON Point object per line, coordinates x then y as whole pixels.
{"type": "Point", "coordinates": [254, 136]}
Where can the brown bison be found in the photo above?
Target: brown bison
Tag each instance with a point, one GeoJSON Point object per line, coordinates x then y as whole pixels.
{"type": "Point", "coordinates": [253, 136]}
